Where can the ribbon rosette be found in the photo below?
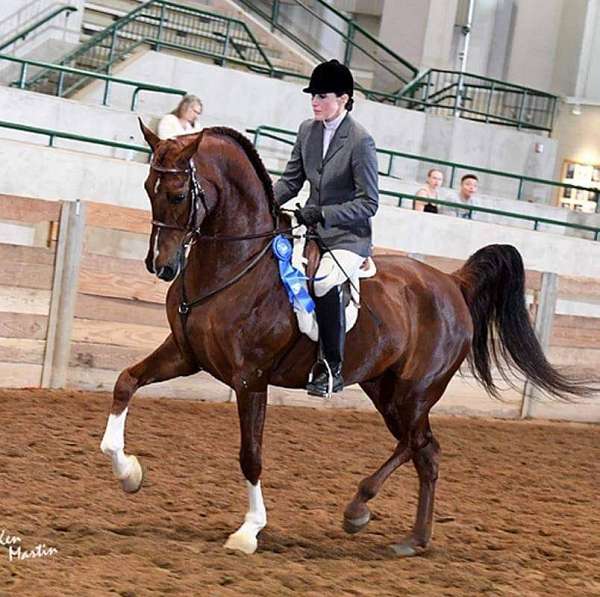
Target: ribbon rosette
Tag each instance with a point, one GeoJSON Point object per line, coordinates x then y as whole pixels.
{"type": "Point", "coordinates": [293, 279]}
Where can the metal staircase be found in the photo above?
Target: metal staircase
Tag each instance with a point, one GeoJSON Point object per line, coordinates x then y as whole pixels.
{"type": "Point", "coordinates": [379, 72]}
{"type": "Point", "coordinates": [218, 34]}
{"type": "Point", "coordinates": [158, 24]}
{"type": "Point", "coordinates": [384, 76]}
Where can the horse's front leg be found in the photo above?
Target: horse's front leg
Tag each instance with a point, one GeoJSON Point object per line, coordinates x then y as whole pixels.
{"type": "Point", "coordinates": [251, 410]}
{"type": "Point", "coordinates": [166, 362]}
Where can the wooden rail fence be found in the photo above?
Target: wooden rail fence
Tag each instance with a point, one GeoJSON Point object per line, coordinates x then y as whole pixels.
{"type": "Point", "coordinates": [77, 306]}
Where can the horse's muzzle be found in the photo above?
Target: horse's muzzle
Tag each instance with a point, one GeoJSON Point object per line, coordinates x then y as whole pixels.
{"type": "Point", "coordinates": [168, 272]}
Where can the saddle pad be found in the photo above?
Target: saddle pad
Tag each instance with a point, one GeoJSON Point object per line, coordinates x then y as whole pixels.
{"type": "Point", "coordinates": [307, 322]}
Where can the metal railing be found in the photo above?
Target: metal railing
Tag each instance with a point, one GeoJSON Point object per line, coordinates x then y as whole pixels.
{"type": "Point", "coordinates": [521, 180]}
{"type": "Point", "coordinates": [108, 79]}
{"type": "Point", "coordinates": [471, 209]}
{"type": "Point", "coordinates": [474, 209]}
{"type": "Point", "coordinates": [55, 134]}
{"type": "Point", "coordinates": [303, 21]}
{"type": "Point", "coordinates": [25, 32]}
{"type": "Point", "coordinates": [160, 24]}
{"type": "Point", "coordinates": [396, 81]}
{"type": "Point", "coordinates": [479, 98]}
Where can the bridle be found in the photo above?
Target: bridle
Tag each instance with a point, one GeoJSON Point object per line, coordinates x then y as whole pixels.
{"type": "Point", "coordinates": [197, 193]}
{"type": "Point", "coordinates": [193, 234]}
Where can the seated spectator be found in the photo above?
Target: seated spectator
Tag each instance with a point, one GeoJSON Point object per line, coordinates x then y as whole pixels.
{"type": "Point", "coordinates": [468, 188]}
{"type": "Point", "coordinates": [434, 181]}
{"type": "Point", "coordinates": [183, 120]}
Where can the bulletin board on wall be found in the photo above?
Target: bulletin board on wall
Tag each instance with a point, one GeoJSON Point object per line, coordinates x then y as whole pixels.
{"type": "Point", "coordinates": [584, 175]}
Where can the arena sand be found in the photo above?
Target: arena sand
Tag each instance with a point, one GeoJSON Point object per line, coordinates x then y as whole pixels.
{"type": "Point", "coordinates": [517, 504]}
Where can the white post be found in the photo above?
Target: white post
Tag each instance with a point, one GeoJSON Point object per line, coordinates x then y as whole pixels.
{"type": "Point", "coordinates": [462, 57]}
{"type": "Point", "coordinates": [64, 294]}
{"type": "Point", "coordinates": [547, 297]}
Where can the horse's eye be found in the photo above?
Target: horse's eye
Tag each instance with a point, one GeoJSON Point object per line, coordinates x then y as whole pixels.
{"type": "Point", "coordinates": [177, 198]}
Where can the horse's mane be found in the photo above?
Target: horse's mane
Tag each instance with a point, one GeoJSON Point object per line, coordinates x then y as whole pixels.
{"type": "Point", "coordinates": [252, 155]}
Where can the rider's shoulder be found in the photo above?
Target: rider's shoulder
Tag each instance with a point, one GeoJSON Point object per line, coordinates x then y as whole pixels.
{"type": "Point", "coordinates": [306, 125]}
{"type": "Point", "coordinates": [359, 132]}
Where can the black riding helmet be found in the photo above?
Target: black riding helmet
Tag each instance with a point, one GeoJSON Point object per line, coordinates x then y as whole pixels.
{"type": "Point", "coordinates": [332, 77]}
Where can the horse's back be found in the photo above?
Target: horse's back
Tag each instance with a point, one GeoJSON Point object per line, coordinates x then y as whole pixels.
{"type": "Point", "coordinates": [401, 278]}
{"type": "Point", "coordinates": [421, 311]}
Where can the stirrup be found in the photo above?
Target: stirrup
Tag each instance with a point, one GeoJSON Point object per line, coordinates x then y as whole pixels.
{"type": "Point", "coordinates": [311, 376]}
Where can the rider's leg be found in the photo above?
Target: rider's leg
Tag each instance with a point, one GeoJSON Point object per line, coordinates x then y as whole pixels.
{"type": "Point", "coordinates": [333, 271]}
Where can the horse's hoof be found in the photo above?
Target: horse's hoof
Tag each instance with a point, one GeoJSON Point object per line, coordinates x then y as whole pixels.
{"type": "Point", "coordinates": [242, 542]}
{"type": "Point", "coordinates": [132, 483]}
{"type": "Point", "coordinates": [407, 549]}
{"type": "Point", "coordinates": [355, 525]}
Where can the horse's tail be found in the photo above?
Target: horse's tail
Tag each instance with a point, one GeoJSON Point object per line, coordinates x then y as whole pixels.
{"type": "Point", "coordinates": [492, 282]}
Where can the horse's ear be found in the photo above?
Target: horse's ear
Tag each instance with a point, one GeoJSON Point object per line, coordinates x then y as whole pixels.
{"type": "Point", "coordinates": [151, 138]}
{"type": "Point", "coordinates": [190, 147]}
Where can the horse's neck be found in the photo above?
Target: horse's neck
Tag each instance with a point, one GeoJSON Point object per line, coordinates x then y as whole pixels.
{"type": "Point", "coordinates": [243, 210]}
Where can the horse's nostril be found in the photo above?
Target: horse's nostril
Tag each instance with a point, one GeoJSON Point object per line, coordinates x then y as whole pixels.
{"type": "Point", "coordinates": [167, 273]}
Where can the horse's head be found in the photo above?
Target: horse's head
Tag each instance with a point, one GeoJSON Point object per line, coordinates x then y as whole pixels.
{"type": "Point", "coordinates": [178, 203]}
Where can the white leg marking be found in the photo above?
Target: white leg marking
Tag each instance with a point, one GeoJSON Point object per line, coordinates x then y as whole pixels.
{"type": "Point", "coordinates": [113, 444]}
{"type": "Point", "coordinates": [126, 468]}
{"type": "Point", "coordinates": [245, 538]}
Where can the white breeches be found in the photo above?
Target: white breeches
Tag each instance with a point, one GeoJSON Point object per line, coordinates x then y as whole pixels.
{"type": "Point", "coordinates": [329, 273]}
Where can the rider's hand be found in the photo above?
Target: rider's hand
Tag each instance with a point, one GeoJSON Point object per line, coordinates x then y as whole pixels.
{"type": "Point", "coordinates": [309, 215]}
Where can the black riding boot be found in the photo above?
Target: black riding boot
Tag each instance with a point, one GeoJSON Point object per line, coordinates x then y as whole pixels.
{"type": "Point", "coordinates": [331, 318]}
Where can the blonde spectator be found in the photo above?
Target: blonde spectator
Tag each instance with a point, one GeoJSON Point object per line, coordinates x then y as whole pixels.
{"type": "Point", "coordinates": [183, 120]}
{"type": "Point", "coordinates": [430, 190]}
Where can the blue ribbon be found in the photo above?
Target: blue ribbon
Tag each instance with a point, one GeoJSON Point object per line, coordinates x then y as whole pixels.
{"type": "Point", "coordinates": [293, 279]}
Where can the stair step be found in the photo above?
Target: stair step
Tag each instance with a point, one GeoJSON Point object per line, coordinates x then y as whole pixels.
{"type": "Point", "coordinates": [101, 14]}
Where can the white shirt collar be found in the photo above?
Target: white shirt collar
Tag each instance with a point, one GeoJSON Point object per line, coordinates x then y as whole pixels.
{"type": "Point", "coordinates": [333, 124]}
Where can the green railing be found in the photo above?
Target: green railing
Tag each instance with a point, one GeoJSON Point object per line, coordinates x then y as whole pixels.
{"type": "Point", "coordinates": [138, 86]}
{"type": "Point", "coordinates": [54, 134]}
{"type": "Point", "coordinates": [25, 32]}
{"type": "Point", "coordinates": [395, 80]}
{"type": "Point", "coordinates": [471, 209]}
{"type": "Point", "coordinates": [160, 24]}
{"type": "Point", "coordinates": [474, 209]}
{"type": "Point", "coordinates": [479, 98]}
{"type": "Point", "coordinates": [357, 48]}
{"type": "Point", "coordinates": [275, 133]}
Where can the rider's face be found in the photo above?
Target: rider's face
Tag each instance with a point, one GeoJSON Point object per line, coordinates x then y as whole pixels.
{"type": "Point", "coordinates": [327, 106]}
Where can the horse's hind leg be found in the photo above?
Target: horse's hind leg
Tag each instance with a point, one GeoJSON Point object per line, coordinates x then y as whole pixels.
{"type": "Point", "coordinates": [426, 461]}
{"type": "Point", "coordinates": [405, 411]}
{"type": "Point", "coordinates": [382, 392]}
{"type": "Point", "coordinates": [166, 362]}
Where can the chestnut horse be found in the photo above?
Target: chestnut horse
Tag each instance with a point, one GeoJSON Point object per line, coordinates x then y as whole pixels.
{"type": "Point", "coordinates": [214, 217]}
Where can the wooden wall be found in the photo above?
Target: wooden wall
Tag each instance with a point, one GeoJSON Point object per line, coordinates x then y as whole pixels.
{"type": "Point", "coordinates": [119, 313]}
{"type": "Point", "coordinates": [118, 317]}
{"type": "Point", "coordinates": [26, 275]}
